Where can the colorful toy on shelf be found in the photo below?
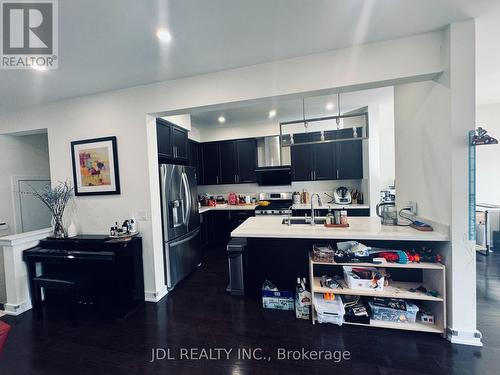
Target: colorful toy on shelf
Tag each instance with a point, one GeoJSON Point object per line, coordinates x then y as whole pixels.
{"type": "Point", "coordinates": [328, 296]}
{"type": "Point", "coordinates": [410, 256]}
{"type": "Point", "coordinates": [395, 256]}
{"type": "Point", "coordinates": [427, 255]}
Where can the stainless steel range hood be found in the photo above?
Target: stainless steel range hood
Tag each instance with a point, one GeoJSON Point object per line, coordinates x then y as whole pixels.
{"type": "Point", "coordinates": [273, 162]}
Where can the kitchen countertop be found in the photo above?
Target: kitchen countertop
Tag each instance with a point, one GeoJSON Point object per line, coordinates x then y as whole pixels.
{"type": "Point", "coordinates": [333, 206]}
{"type": "Point", "coordinates": [224, 207]}
{"type": "Point", "coordinates": [361, 228]}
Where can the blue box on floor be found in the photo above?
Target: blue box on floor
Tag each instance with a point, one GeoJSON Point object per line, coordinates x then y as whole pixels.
{"type": "Point", "coordinates": [278, 300]}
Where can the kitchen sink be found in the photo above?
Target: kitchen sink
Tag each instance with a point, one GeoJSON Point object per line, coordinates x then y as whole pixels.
{"type": "Point", "coordinates": [303, 221]}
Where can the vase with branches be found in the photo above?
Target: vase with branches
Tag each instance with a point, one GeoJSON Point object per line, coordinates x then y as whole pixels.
{"type": "Point", "coordinates": [56, 198]}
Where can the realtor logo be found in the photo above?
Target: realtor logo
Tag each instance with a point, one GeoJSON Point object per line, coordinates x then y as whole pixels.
{"type": "Point", "coordinates": [29, 34]}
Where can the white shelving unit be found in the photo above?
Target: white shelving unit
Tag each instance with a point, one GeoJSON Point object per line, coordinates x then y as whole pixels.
{"type": "Point", "coordinates": [433, 277]}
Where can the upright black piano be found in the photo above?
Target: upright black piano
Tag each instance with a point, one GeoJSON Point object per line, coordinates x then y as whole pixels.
{"type": "Point", "coordinates": [113, 267]}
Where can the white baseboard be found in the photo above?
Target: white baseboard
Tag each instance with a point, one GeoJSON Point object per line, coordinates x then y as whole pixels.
{"type": "Point", "coordinates": [14, 310]}
{"type": "Point", "coordinates": [156, 296]}
{"type": "Point", "coordinates": [465, 337]}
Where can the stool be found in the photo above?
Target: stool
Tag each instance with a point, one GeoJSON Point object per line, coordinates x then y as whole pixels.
{"type": "Point", "coordinates": [69, 284]}
{"type": "Point", "coordinates": [4, 332]}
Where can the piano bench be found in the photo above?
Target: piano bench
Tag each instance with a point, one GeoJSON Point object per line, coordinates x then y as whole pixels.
{"type": "Point", "coordinates": [70, 284]}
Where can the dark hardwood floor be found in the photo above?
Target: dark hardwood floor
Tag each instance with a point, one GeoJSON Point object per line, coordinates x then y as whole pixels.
{"type": "Point", "coordinates": [199, 314]}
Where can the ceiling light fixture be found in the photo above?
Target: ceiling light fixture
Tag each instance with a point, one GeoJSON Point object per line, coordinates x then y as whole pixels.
{"type": "Point", "coordinates": [164, 35]}
{"type": "Point", "coordinates": [221, 119]}
{"type": "Point", "coordinates": [272, 113]}
{"type": "Point", "coordinates": [330, 106]}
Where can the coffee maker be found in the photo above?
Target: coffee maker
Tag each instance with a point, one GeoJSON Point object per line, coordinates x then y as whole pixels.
{"type": "Point", "coordinates": [388, 213]}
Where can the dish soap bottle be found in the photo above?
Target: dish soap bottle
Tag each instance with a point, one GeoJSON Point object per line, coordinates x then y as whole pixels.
{"type": "Point", "coordinates": [329, 217]}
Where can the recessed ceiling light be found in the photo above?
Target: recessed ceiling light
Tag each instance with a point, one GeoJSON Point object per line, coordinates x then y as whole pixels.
{"type": "Point", "coordinates": [164, 35]}
{"type": "Point", "coordinates": [39, 68]}
{"type": "Point", "coordinates": [330, 106]}
{"type": "Point", "coordinates": [221, 119]}
{"type": "Point", "coordinates": [272, 113]}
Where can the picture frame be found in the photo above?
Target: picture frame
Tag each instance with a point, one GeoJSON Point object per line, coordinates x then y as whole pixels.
{"type": "Point", "coordinates": [95, 166]}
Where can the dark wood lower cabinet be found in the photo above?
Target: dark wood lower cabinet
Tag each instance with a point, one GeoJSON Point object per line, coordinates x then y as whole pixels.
{"type": "Point", "coordinates": [205, 229]}
{"type": "Point", "coordinates": [220, 224]}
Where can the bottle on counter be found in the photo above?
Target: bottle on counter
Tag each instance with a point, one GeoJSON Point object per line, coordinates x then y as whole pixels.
{"type": "Point", "coordinates": [112, 232]}
{"type": "Point", "coordinates": [296, 198]}
{"type": "Point", "coordinates": [125, 227]}
{"type": "Point", "coordinates": [133, 225]}
{"type": "Point", "coordinates": [305, 196]}
{"type": "Point", "coordinates": [343, 217]}
{"type": "Point", "coordinates": [329, 217]}
{"type": "Point", "coordinates": [337, 217]}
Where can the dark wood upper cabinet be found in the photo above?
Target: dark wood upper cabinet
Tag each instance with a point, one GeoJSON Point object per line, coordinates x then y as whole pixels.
{"type": "Point", "coordinates": [193, 154]}
{"type": "Point", "coordinates": [325, 161]}
{"type": "Point", "coordinates": [210, 163]}
{"type": "Point", "coordinates": [350, 160]}
{"type": "Point", "coordinates": [172, 142]}
{"type": "Point", "coordinates": [302, 162]}
{"type": "Point", "coordinates": [246, 157]}
{"type": "Point", "coordinates": [349, 156]}
{"type": "Point", "coordinates": [302, 158]}
{"type": "Point", "coordinates": [235, 162]}
{"type": "Point", "coordinates": [228, 165]}
{"type": "Point", "coordinates": [180, 144]}
{"type": "Point", "coordinates": [164, 139]}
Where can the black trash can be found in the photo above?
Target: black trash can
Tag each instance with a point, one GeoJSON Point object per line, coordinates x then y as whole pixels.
{"type": "Point", "coordinates": [496, 241]}
{"type": "Point", "coordinates": [236, 249]}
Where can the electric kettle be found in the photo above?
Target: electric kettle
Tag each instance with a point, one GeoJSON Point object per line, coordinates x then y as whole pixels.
{"type": "Point", "coordinates": [388, 213]}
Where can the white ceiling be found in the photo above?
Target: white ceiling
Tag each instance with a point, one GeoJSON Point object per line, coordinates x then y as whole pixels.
{"type": "Point", "coordinates": [106, 45]}
{"type": "Point", "coordinates": [292, 109]}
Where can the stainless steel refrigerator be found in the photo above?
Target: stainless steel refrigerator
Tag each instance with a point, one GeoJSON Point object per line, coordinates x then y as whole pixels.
{"type": "Point", "coordinates": [181, 222]}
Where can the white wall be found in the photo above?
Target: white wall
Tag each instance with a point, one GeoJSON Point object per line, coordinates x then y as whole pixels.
{"type": "Point", "coordinates": [488, 157]}
{"type": "Point", "coordinates": [21, 156]}
{"type": "Point", "coordinates": [423, 158]}
{"type": "Point", "coordinates": [432, 124]}
{"type": "Point", "coordinates": [123, 113]}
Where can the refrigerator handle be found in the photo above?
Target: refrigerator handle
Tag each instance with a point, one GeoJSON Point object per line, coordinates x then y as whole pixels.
{"type": "Point", "coordinates": [165, 206]}
{"type": "Point", "coordinates": [187, 239]}
{"type": "Point", "coordinates": [188, 198]}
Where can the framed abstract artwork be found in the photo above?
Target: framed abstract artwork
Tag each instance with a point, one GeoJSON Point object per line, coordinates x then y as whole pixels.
{"type": "Point", "coordinates": [95, 166]}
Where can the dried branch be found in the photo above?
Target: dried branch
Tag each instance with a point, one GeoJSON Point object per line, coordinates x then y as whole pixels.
{"type": "Point", "coordinates": [55, 198]}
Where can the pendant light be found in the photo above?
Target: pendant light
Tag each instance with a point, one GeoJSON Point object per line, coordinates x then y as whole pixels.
{"type": "Point", "coordinates": [338, 106]}
{"type": "Point", "coordinates": [304, 114]}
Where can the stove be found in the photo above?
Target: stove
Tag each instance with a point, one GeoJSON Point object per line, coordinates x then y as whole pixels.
{"type": "Point", "coordinates": [280, 204]}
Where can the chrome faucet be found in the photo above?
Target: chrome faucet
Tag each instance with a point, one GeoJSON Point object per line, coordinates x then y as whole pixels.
{"type": "Point", "coordinates": [289, 218]}
{"type": "Point", "coordinates": [313, 216]}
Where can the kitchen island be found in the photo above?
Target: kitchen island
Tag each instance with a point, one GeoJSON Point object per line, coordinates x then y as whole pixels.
{"type": "Point", "coordinates": [360, 228]}
{"type": "Point", "coordinates": [281, 253]}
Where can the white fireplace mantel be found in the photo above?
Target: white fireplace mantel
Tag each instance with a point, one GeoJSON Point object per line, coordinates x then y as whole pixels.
{"type": "Point", "coordinates": [15, 271]}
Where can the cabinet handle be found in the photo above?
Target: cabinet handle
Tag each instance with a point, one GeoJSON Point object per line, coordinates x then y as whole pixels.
{"type": "Point", "coordinates": [337, 174]}
{"type": "Point", "coordinates": [217, 180]}
{"type": "Point", "coordinates": [311, 175]}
